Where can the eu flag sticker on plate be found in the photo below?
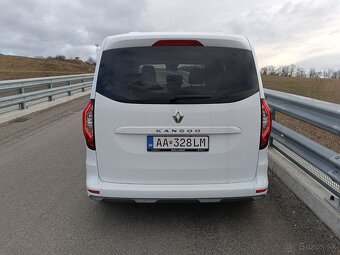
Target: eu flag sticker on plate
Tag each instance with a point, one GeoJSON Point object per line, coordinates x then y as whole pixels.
{"type": "Point", "coordinates": [150, 143]}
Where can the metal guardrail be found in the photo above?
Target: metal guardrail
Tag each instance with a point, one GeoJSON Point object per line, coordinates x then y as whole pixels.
{"type": "Point", "coordinates": [12, 92]}
{"type": "Point", "coordinates": [317, 113]}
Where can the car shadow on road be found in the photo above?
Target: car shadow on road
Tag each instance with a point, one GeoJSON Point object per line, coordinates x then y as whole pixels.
{"type": "Point", "coordinates": [165, 212]}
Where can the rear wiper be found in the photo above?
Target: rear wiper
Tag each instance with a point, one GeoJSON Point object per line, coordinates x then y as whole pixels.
{"type": "Point", "coordinates": [180, 97]}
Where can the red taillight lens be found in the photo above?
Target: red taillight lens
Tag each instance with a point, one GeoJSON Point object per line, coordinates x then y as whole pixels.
{"type": "Point", "coordinates": [261, 190]}
{"type": "Point", "coordinates": [266, 124]}
{"type": "Point", "coordinates": [88, 125]}
{"type": "Point", "coordinates": [93, 191]}
{"type": "Point", "coordinates": [177, 43]}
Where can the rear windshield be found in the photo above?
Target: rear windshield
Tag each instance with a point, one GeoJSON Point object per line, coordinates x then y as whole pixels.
{"type": "Point", "coordinates": [177, 75]}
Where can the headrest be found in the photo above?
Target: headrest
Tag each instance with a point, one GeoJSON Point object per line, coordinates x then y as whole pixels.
{"type": "Point", "coordinates": [149, 74]}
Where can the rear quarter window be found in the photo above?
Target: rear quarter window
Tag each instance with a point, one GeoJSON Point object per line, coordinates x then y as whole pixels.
{"type": "Point", "coordinates": [177, 75]}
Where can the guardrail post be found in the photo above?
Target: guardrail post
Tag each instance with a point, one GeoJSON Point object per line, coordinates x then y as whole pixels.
{"type": "Point", "coordinates": [50, 86]}
{"type": "Point", "coordinates": [271, 139]}
{"type": "Point", "coordinates": [83, 88]}
{"type": "Point", "coordinates": [22, 105]}
{"type": "Point", "coordinates": [69, 93]}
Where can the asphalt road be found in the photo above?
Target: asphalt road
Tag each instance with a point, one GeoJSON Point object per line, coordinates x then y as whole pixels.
{"type": "Point", "coordinates": [44, 208]}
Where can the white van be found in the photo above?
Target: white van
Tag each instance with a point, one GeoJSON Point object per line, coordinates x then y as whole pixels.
{"type": "Point", "coordinates": [176, 116]}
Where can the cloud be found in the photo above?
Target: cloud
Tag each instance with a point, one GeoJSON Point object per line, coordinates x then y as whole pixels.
{"type": "Point", "coordinates": [282, 32]}
{"type": "Point", "coordinates": [323, 62]}
{"type": "Point", "coordinates": [63, 27]}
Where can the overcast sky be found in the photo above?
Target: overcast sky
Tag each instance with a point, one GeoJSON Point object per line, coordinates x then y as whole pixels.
{"type": "Point", "coordinates": [283, 32]}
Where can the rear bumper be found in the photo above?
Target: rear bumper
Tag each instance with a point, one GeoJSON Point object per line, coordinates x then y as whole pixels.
{"type": "Point", "coordinates": [152, 193]}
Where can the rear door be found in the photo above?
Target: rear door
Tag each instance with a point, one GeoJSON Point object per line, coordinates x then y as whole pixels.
{"type": "Point", "coordinates": [150, 98]}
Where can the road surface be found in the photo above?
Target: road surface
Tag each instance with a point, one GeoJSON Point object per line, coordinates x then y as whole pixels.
{"type": "Point", "coordinates": [44, 208]}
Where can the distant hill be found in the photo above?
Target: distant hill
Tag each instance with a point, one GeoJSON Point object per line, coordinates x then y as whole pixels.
{"type": "Point", "coordinates": [17, 67]}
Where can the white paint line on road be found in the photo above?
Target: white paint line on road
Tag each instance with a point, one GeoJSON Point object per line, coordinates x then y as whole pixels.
{"type": "Point", "coordinates": [36, 108]}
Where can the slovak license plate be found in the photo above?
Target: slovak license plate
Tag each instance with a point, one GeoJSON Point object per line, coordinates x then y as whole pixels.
{"type": "Point", "coordinates": [178, 143]}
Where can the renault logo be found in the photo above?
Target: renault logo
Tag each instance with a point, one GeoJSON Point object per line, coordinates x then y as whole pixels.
{"type": "Point", "coordinates": [178, 116]}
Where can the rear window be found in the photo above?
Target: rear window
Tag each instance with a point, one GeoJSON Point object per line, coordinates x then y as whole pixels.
{"type": "Point", "coordinates": [177, 75]}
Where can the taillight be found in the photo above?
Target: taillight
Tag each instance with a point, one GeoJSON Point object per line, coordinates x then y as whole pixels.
{"type": "Point", "coordinates": [177, 43]}
{"type": "Point", "coordinates": [266, 124]}
{"type": "Point", "coordinates": [93, 191]}
{"type": "Point", "coordinates": [261, 190]}
{"type": "Point", "coordinates": [88, 125]}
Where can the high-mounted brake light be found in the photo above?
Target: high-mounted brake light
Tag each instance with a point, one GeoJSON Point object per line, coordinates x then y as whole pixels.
{"type": "Point", "coordinates": [266, 124]}
{"type": "Point", "coordinates": [88, 125]}
{"type": "Point", "coordinates": [177, 43]}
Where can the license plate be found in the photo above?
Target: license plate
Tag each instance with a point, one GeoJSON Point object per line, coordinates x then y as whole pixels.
{"type": "Point", "coordinates": [178, 143]}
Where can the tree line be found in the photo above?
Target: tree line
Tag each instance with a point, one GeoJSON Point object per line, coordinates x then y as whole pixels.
{"type": "Point", "coordinates": [90, 60]}
{"type": "Point", "coordinates": [296, 71]}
